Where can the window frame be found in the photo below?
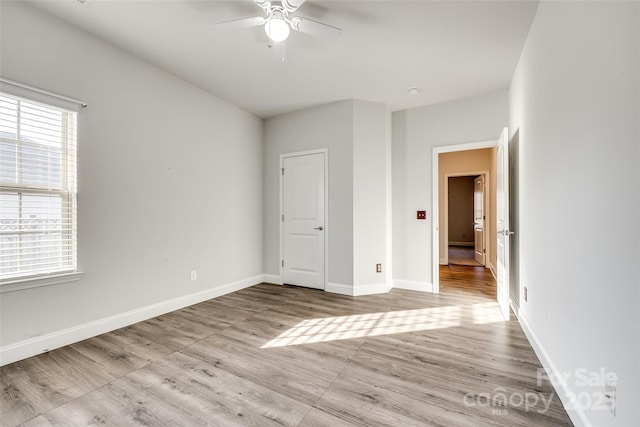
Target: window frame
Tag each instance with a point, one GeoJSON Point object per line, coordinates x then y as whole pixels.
{"type": "Point", "coordinates": [66, 192]}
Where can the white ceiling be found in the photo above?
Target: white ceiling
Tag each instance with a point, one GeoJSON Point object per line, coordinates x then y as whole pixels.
{"type": "Point", "coordinates": [450, 49]}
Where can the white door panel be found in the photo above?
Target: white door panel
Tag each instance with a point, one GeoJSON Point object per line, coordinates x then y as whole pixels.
{"type": "Point", "coordinates": [303, 197]}
{"type": "Point", "coordinates": [478, 219]}
{"type": "Point", "coordinates": [502, 221]}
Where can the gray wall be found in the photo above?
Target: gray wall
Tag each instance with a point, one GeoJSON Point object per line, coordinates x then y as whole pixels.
{"type": "Point", "coordinates": [575, 101]}
{"type": "Point", "coordinates": [415, 133]}
{"type": "Point", "coordinates": [371, 195]}
{"type": "Point", "coordinates": [356, 134]}
{"type": "Point", "coordinates": [169, 179]}
{"type": "Point", "coordinates": [329, 126]}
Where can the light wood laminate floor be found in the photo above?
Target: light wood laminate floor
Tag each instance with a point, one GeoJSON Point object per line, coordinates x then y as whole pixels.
{"type": "Point", "coordinates": [278, 355]}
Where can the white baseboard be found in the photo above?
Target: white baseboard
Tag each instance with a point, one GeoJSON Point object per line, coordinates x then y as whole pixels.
{"type": "Point", "coordinates": [467, 244]}
{"type": "Point", "coordinates": [339, 288]}
{"type": "Point", "coordinates": [371, 289]}
{"type": "Point", "coordinates": [274, 279]}
{"type": "Point", "coordinates": [514, 307]}
{"type": "Point", "coordinates": [412, 285]}
{"type": "Point", "coordinates": [577, 415]}
{"type": "Point", "coordinates": [34, 346]}
{"type": "Point", "coordinates": [358, 290]}
{"type": "Point", "coordinates": [444, 261]}
{"type": "Point", "coordinates": [493, 271]}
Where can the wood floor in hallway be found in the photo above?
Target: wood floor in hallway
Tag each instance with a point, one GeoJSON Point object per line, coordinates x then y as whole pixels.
{"type": "Point", "coordinates": [279, 355]}
{"type": "Point", "coordinates": [467, 280]}
{"type": "Point", "coordinates": [462, 255]}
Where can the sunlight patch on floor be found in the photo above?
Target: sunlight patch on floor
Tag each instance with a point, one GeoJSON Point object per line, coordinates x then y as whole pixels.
{"type": "Point", "coordinates": [386, 323]}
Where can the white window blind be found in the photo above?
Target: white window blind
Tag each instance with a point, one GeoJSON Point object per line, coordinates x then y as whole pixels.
{"type": "Point", "coordinates": [37, 189]}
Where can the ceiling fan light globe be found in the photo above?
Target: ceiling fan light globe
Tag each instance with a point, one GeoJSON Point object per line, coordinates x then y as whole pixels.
{"type": "Point", "coordinates": [277, 29]}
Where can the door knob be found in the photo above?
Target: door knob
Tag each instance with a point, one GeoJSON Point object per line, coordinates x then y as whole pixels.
{"type": "Point", "coordinates": [319, 228]}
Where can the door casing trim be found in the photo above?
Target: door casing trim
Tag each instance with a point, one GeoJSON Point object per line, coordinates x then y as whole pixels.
{"type": "Point", "coordinates": [327, 228]}
{"type": "Point", "coordinates": [435, 207]}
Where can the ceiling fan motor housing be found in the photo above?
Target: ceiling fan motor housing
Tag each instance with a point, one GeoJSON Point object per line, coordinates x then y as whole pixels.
{"type": "Point", "coordinates": [276, 27]}
{"type": "Point", "coordinates": [278, 23]}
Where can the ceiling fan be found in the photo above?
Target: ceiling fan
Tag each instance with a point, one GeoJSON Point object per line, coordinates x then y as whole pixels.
{"type": "Point", "coordinates": [278, 24]}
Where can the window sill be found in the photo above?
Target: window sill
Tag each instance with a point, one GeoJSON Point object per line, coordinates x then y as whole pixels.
{"type": "Point", "coordinates": [39, 281]}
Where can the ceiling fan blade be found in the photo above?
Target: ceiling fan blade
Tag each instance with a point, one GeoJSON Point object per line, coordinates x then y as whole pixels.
{"type": "Point", "coordinates": [265, 4]}
{"type": "Point", "coordinates": [291, 5]}
{"type": "Point", "coordinates": [314, 28]}
{"type": "Point", "coordinates": [239, 24]}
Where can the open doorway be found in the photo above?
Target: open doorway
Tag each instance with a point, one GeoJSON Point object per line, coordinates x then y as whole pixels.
{"type": "Point", "coordinates": [466, 222]}
{"type": "Point", "coordinates": [498, 220]}
{"type": "Point", "coordinates": [466, 202]}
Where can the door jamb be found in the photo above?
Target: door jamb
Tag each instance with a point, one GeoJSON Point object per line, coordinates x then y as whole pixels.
{"type": "Point", "coordinates": [446, 211]}
{"type": "Point", "coordinates": [324, 151]}
{"type": "Point", "coordinates": [435, 177]}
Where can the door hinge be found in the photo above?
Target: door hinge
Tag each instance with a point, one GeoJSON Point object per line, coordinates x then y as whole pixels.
{"type": "Point", "coordinates": [484, 217]}
{"type": "Point", "coordinates": [484, 251]}
{"type": "Point", "coordinates": [282, 171]}
{"type": "Point", "coordinates": [283, 217]}
{"type": "Point", "coordinates": [283, 263]}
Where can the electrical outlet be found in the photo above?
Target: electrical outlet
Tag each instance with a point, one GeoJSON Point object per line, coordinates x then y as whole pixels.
{"type": "Point", "coordinates": [378, 268]}
{"type": "Point", "coordinates": [525, 294]}
{"type": "Point", "coordinates": [610, 396]}
{"type": "Point", "coordinates": [194, 275]}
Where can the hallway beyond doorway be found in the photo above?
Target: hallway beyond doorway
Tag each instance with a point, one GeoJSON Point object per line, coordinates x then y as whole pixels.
{"type": "Point", "coordinates": [462, 255]}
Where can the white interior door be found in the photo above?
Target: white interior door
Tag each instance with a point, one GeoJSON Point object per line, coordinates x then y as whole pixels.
{"type": "Point", "coordinates": [478, 219]}
{"type": "Point", "coordinates": [303, 218]}
{"type": "Point", "coordinates": [502, 221]}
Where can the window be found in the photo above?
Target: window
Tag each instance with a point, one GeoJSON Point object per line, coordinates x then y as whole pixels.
{"type": "Point", "coordinates": [37, 189]}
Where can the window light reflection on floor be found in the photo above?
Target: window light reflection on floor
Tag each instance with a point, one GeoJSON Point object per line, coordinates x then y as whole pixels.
{"type": "Point", "coordinates": [386, 323]}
